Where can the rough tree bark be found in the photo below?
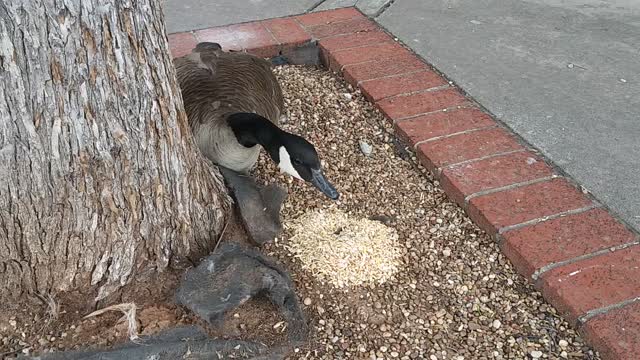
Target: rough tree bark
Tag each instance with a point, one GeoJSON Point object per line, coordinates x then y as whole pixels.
{"type": "Point", "coordinates": [99, 177]}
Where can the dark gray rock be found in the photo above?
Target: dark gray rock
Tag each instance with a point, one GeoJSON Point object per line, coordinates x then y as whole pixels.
{"type": "Point", "coordinates": [233, 275]}
{"type": "Point", "coordinates": [279, 60]}
{"type": "Point", "coordinates": [258, 207]}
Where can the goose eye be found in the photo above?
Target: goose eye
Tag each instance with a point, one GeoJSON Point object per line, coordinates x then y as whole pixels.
{"type": "Point", "coordinates": [296, 162]}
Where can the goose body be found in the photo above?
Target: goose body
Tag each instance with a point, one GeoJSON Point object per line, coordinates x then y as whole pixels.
{"type": "Point", "coordinates": [216, 84]}
{"type": "Point", "coordinates": [234, 103]}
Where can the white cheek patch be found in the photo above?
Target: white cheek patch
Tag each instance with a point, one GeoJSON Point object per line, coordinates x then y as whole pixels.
{"type": "Point", "coordinates": [285, 164]}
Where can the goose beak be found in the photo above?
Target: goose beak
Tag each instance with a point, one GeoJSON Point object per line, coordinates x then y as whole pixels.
{"type": "Point", "coordinates": [318, 180]}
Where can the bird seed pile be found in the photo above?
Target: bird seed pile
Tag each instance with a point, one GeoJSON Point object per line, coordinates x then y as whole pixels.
{"type": "Point", "coordinates": [345, 251]}
{"type": "Point", "coordinates": [453, 295]}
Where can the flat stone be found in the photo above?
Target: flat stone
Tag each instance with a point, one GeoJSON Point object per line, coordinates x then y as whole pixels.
{"type": "Point", "coordinates": [258, 207]}
{"type": "Point", "coordinates": [233, 275]}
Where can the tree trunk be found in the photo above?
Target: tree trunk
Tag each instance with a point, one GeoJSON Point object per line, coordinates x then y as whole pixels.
{"type": "Point", "coordinates": [99, 176]}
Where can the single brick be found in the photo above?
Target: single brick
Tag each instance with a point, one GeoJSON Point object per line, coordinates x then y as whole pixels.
{"type": "Point", "coordinates": [532, 247]}
{"type": "Point", "coordinates": [337, 60]}
{"type": "Point", "coordinates": [401, 64]}
{"type": "Point", "coordinates": [342, 27]}
{"type": "Point", "coordinates": [616, 334]}
{"type": "Point", "coordinates": [404, 106]}
{"type": "Point", "coordinates": [441, 123]}
{"type": "Point", "coordinates": [329, 16]}
{"type": "Point", "coordinates": [510, 207]}
{"type": "Point", "coordinates": [287, 31]}
{"type": "Point", "coordinates": [264, 52]}
{"type": "Point", "coordinates": [252, 36]}
{"type": "Point", "coordinates": [460, 181]}
{"type": "Point", "coordinates": [181, 44]}
{"type": "Point", "coordinates": [594, 283]}
{"type": "Point", "coordinates": [340, 58]}
{"type": "Point", "coordinates": [378, 89]}
{"type": "Point", "coordinates": [221, 35]}
{"type": "Point", "coordinates": [439, 153]}
{"type": "Point", "coordinates": [354, 40]}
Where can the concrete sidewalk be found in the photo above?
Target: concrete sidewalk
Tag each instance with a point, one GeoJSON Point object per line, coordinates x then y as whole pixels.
{"type": "Point", "coordinates": [563, 74]}
{"type": "Point", "coordinates": [186, 15]}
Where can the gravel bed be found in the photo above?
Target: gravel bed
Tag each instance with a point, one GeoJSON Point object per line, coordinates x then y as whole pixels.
{"type": "Point", "coordinates": [455, 295]}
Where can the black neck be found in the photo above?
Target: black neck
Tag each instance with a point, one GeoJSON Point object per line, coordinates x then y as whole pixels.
{"type": "Point", "coordinates": [251, 129]}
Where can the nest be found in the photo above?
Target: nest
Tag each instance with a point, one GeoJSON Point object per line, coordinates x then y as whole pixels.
{"type": "Point", "coordinates": [344, 251]}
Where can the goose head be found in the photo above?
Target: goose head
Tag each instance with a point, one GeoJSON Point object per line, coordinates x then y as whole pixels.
{"type": "Point", "coordinates": [298, 158]}
{"type": "Point", "coordinates": [294, 155]}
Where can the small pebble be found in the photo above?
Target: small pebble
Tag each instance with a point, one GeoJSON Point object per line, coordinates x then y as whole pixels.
{"type": "Point", "coordinates": [563, 343]}
{"type": "Point", "coordinates": [536, 354]}
{"type": "Point", "coordinates": [366, 148]}
{"type": "Point", "coordinates": [307, 301]}
{"type": "Point", "coordinates": [496, 324]}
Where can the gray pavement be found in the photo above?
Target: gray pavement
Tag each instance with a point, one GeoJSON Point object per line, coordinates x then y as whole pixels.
{"type": "Point", "coordinates": [370, 7]}
{"type": "Point", "coordinates": [184, 15]}
{"type": "Point", "coordinates": [564, 74]}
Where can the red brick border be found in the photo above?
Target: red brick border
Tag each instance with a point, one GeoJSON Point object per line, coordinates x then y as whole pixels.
{"type": "Point", "coordinates": [584, 261]}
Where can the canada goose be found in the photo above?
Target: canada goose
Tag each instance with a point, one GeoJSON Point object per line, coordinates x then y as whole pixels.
{"type": "Point", "coordinates": [234, 103]}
